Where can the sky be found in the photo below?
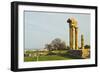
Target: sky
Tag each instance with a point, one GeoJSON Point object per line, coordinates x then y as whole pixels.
{"type": "Point", "coordinates": [41, 28]}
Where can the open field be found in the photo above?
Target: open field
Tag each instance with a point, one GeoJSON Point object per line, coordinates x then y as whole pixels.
{"type": "Point", "coordinates": [48, 56]}
{"type": "Point", "coordinates": [45, 58]}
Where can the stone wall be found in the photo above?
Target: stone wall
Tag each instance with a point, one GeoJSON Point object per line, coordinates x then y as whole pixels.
{"type": "Point", "coordinates": [81, 53]}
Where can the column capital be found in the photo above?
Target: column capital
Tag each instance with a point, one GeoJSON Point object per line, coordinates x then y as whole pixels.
{"type": "Point", "coordinates": [72, 21]}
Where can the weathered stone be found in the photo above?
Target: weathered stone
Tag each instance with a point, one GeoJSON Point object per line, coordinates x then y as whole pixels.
{"type": "Point", "coordinates": [80, 53]}
{"type": "Point", "coordinates": [73, 33]}
{"type": "Point", "coordinates": [75, 53]}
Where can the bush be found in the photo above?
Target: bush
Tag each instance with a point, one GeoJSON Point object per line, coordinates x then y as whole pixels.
{"type": "Point", "coordinates": [51, 53]}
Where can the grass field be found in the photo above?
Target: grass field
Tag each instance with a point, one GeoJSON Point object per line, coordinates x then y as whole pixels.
{"type": "Point", "coordinates": [53, 55]}
{"type": "Point", "coordinates": [49, 56]}
{"type": "Point", "coordinates": [45, 58]}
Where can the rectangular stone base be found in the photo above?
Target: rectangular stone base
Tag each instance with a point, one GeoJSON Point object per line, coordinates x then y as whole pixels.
{"type": "Point", "coordinates": [81, 53]}
{"type": "Point", "coordinates": [85, 53]}
{"type": "Point", "coordinates": [75, 53]}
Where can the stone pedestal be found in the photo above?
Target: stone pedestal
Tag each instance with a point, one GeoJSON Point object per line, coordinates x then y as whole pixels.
{"type": "Point", "coordinates": [75, 54]}
{"type": "Point", "coordinates": [79, 54]}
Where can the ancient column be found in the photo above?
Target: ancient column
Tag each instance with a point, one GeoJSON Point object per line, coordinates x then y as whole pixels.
{"type": "Point", "coordinates": [73, 33]}
{"type": "Point", "coordinates": [70, 36]}
{"type": "Point", "coordinates": [82, 41]}
{"type": "Point", "coordinates": [70, 33]}
{"type": "Point", "coordinates": [76, 37]}
{"type": "Point", "coordinates": [73, 38]}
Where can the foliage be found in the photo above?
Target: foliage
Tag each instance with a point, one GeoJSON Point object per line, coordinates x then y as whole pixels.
{"type": "Point", "coordinates": [87, 46]}
{"type": "Point", "coordinates": [48, 46]}
{"type": "Point", "coordinates": [56, 44]}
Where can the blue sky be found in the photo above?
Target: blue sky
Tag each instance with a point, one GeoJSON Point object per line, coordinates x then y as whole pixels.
{"type": "Point", "coordinates": [43, 27]}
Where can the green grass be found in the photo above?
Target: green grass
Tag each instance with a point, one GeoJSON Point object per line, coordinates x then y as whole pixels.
{"type": "Point", "coordinates": [50, 56]}
{"type": "Point", "coordinates": [54, 57]}
{"type": "Point", "coordinates": [28, 59]}
{"type": "Point", "coordinates": [45, 58]}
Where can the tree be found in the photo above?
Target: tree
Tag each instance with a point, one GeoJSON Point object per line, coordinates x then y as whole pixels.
{"type": "Point", "coordinates": [68, 48]}
{"type": "Point", "coordinates": [87, 46]}
{"type": "Point", "coordinates": [63, 45]}
{"type": "Point", "coordinates": [58, 44]}
{"type": "Point", "coordinates": [48, 46]}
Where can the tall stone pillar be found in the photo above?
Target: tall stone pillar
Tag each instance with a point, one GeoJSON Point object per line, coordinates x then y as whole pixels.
{"type": "Point", "coordinates": [73, 38]}
{"type": "Point", "coordinates": [82, 42]}
{"type": "Point", "coordinates": [76, 37]}
{"type": "Point", "coordinates": [70, 36]}
{"type": "Point", "coordinates": [70, 33]}
{"type": "Point", "coordinates": [73, 33]}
